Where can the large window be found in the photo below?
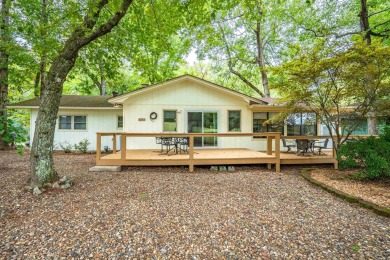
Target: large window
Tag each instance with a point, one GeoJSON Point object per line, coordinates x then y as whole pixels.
{"type": "Point", "coordinates": [258, 120]}
{"type": "Point", "coordinates": [169, 121]}
{"type": "Point", "coordinates": [234, 121]}
{"type": "Point", "coordinates": [72, 122]}
{"type": "Point", "coordinates": [119, 122]}
{"type": "Point", "coordinates": [302, 124]}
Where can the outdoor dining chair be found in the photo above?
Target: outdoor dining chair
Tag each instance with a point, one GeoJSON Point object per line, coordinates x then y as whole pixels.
{"type": "Point", "coordinates": [320, 146]}
{"type": "Point", "coordinates": [303, 146]}
{"type": "Point", "coordinates": [288, 146]}
{"type": "Point", "coordinates": [183, 143]}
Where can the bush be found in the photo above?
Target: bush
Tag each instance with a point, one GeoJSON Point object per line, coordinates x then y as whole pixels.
{"type": "Point", "coordinates": [82, 146]}
{"type": "Point", "coordinates": [66, 146]}
{"type": "Point", "coordinates": [16, 133]}
{"type": "Point", "coordinates": [371, 154]}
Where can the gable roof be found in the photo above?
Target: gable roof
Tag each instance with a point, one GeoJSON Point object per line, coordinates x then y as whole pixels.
{"type": "Point", "coordinates": [121, 98]}
{"type": "Point", "coordinates": [69, 101]}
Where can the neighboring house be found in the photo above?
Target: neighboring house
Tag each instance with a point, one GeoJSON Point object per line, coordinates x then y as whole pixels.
{"type": "Point", "coordinates": [185, 104]}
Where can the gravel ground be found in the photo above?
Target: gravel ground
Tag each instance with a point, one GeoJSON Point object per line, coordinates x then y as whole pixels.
{"type": "Point", "coordinates": [169, 213]}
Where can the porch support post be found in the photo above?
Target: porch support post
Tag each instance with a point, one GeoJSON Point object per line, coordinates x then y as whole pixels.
{"type": "Point", "coordinates": [277, 152]}
{"type": "Point", "coordinates": [114, 144]}
{"type": "Point", "coordinates": [123, 147]}
{"type": "Point", "coordinates": [269, 145]}
{"type": "Point", "coordinates": [98, 146]}
{"type": "Point", "coordinates": [191, 159]}
{"type": "Point", "coordinates": [269, 150]}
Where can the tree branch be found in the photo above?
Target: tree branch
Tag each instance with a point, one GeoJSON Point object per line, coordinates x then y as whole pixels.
{"type": "Point", "coordinates": [106, 27]}
{"type": "Point", "coordinates": [231, 66]}
{"type": "Point", "coordinates": [384, 10]}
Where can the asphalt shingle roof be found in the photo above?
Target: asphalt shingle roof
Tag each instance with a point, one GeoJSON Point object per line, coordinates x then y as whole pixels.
{"type": "Point", "coordinates": [69, 101]}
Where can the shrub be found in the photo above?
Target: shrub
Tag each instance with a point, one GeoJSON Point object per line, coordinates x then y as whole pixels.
{"type": "Point", "coordinates": [16, 133]}
{"type": "Point", "coordinates": [66, 146]}
{"type": "Point", "coordinates": [372, 155]}
{"type": "Point", "coordinates": [82, 146]}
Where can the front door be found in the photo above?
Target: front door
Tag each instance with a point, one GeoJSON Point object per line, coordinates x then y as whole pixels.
{"type": "Point", "coordinates": [203, 122]}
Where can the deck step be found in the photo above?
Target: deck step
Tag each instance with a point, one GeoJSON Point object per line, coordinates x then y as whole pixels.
{"type": "Point", "coordinates": [105, 169]}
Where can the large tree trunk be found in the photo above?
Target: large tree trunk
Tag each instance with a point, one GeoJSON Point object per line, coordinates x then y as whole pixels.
{"type": "Point", "coordinates": [4, 58]}
{"type": "Point", "coordinates": [261, 61]}
{"type": "Point", "coordinates": [41, 158]}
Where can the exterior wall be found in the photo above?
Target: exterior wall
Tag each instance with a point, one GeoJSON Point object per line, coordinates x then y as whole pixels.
{"type": "Point", "coordinates": [98, 120]}
{"type": "Point", "coordinates": [184, 97]}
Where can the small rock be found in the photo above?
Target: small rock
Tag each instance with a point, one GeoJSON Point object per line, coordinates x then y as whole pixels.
{"type": "Point", "coordinates": [231, 169]}
{"type": "Point", "coordinates": [65, 178]}
{"type": "Point", "coordinates": [222, 168]}
{"type": "Point", "coordinates": [214, 168]}
{"type": "Point", "coordinates": [37, 191]}
{"type": "Point", "coordinates": [56, 185]}
{"type": "Point", "coordinates": [66, 185]}
{"type": "Point", "coordinates": [163, 251]}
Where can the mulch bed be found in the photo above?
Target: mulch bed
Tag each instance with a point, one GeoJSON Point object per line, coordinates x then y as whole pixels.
{"type": "Point", "coordinates": [155, 212]}
{"type": "Point", "coordinates": [375, 191]}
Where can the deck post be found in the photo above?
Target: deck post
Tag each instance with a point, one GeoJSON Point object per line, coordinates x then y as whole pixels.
{"type": "Point", "coordinates": [277, 152]}
{"type": "Point", "coordinates": [123, 147]}
{"type": "Point", "coordinates": [269, 145]}
{"type": "Point", "coordinates": [191, 159]}
{"type": "Point", "coordinates": [98, 146]}
{"type": "Point", "coordinates": [114, 144]}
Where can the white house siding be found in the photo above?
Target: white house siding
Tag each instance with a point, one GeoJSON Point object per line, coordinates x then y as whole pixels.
{"type": "Point", "coordinates": [185, 96]}
{"type": "Point", "coordinates": [98, 120]}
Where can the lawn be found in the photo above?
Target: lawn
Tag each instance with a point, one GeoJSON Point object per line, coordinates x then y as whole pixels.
{"type": "Point", "coordinates": [171, 213]}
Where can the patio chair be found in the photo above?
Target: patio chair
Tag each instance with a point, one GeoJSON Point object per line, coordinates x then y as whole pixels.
{"type": "Point", "coordinates": [183, 144]}
{"type": "Point", "coordinates": [288, 146]}
{"type": "Point", "coordinates": [170, 144]}
{"type": "Point", "coordinates": [303, 146]}
{"type": "Point", "coordinates": [320, 146]}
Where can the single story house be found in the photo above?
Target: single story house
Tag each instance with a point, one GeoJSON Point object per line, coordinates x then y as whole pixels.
{"type": "Point", "coordinates": [185, 104]}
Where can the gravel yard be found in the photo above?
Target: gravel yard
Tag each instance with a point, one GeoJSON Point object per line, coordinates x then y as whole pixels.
{"type": "Point", "coordinates": [171, 213]}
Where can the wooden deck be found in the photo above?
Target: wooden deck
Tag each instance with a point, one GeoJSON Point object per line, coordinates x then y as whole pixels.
{"type": "Point", "coordinates": [211, 157]}
{"type": "Point", "coordinates": [272, 155]}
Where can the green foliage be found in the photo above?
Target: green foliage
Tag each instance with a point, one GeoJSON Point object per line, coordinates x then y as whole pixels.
{"type": "Point", "coordinates": [371, 154]}
{"type": "Point", "coordinates": [82, 146]}
{"type": "Point", "coordinates": [66, 146]}
{"type": "Point", "coordinates": [16, 133]}
{"type": "Point", "coordinates": [337, 82]}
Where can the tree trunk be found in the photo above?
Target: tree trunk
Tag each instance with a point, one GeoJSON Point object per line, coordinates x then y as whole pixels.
{"type": "Point", "coordinates": [103, 83]}
{"type": "Point", "coordinates": [260, 60]}
{"type": "Point", "coordinates": [4, 59]}
{"type": "Point", "coordinates": [372, 120]}
{"type": "Point", "coordinates": [41, 157]}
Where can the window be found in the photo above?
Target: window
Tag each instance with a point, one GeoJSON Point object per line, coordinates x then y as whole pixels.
{"type": "Point", "coordinates": [234, 121]}
{"type": "Point", "coordinates": [359, 126]}
{"type": "Point", "coordinates": [65, 122]}
{"type": "Point", "coordinates": [120, 122]}
{"type": "Point", "coordinates": [169, 124]}
{"type": "Point", "coordinates": [72, 122]}
{"type": "Point", "coordinates": [258, 120]}
{"type": "Point", "coordinates": [302, 124]}
{"type": "Point", "coordinates": [80, 122]}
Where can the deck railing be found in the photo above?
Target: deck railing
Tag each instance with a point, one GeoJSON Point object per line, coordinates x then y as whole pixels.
{"type": "Point", "coordinates": [273, 139]}
{"type": "Point", "coordinates": [270, 136]}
